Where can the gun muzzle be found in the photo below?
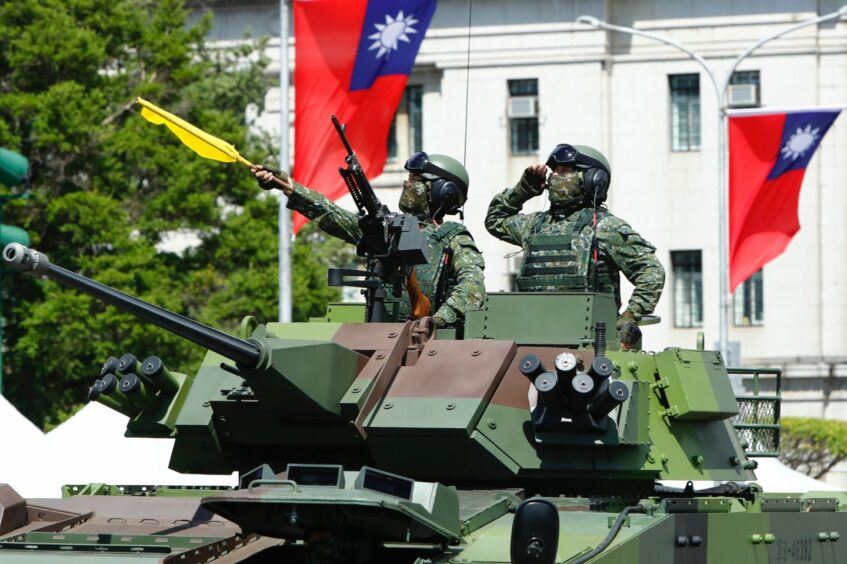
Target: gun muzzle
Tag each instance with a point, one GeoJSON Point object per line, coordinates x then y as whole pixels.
{"type": "Point", "coordinates": [21, 258]}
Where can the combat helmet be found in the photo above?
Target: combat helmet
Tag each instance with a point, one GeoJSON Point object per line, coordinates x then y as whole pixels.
{"type": "Point", "coordinates": [449, 181]}
{"type": "Point", "coordinates": [595, 168]}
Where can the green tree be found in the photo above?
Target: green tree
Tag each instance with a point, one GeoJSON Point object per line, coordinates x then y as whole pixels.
{"type": "Point", "coordinates": [812, 446]}
{"type": "Point", "coordinates": [107, 184]}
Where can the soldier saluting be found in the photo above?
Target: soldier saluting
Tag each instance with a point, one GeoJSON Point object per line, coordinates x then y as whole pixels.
{"type": "Point", "coordinates": [437, 186]}
{"type": "Point", "coordinates": [577, 244]}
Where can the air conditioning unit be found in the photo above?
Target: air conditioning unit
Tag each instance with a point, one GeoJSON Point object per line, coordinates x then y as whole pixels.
{"type": "Point", "coordinates": [743, 95]}
{"type": "Point", "coordinates": [523, 106]}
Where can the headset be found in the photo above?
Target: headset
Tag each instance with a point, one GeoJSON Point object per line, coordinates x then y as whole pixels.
{"type": "Point", "coordinates": [595, 175]}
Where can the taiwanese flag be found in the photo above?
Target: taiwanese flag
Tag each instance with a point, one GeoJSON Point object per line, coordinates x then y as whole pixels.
{"type": "Point", "coordinates": [768, 155]}
{"type": "Point", "coordinates": [353, 60]}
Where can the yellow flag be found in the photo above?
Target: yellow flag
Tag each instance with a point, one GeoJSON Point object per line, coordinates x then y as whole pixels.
{"type": "Point", "coordinates": [205, 145]}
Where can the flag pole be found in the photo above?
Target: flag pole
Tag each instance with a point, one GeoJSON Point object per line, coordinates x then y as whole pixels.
{"type": "Point", "coordinates": [285, 165]}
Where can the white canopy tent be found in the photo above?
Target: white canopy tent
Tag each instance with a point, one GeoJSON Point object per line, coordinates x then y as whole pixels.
{"type": "Point", "coordinates": [773, 476]}
{"type": "Point", "coordinates": [94, 440]}
{"type": "Point", "coordinates": [90, 447]}
{"type": "Point", "coordinates": [25, 457]}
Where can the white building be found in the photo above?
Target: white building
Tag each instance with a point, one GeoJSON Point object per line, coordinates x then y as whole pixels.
{"type": "Point", "coordinates": [527, 77]}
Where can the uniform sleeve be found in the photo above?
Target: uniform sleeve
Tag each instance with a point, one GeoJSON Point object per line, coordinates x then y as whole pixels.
{"type": "Point", "coordinates": [469, 291]}
{"type": "Point", "coordinates": [504, 219]}
{"type": "Point", "coordinates": [636, 258]}
{"type": "Point", "coordinates": [331, 218]}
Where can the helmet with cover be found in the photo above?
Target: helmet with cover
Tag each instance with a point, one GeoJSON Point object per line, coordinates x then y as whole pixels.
{"type": "Point", "coordinates": [448, 182]}
{"type": "Point", "coordinates": [592, 165]}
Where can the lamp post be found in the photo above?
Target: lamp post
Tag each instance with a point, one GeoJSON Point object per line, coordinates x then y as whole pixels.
{"type": "Point", "coordinates": [8, 235]}
{"type": "Point", "coordinates": [284, 216]}
{"type": "Point", "coordinates": [720, 87]}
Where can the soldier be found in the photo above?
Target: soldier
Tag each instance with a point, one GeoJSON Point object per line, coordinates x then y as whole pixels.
{"type": "Point", "coordinates": [437, 186]}
{"type": "Point", "coordinates": [561, 251]}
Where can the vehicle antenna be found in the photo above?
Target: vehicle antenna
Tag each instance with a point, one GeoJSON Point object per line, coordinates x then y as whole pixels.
{"type": "Point", "coordinates": [467, 83]}
{"type": "Point", "coordinates": [467, 95]}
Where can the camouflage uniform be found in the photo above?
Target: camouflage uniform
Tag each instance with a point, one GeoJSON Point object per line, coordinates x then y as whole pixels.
{"type": "Point", "coordinates": [465, 283]}
{"type": "Point", "coordinates": [564, 235]}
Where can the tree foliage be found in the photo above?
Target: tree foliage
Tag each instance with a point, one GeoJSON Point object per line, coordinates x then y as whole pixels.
{"type": "Point", "coordinates": [812, 446]}
{"type": "Point", "coordinates": [106, 184]}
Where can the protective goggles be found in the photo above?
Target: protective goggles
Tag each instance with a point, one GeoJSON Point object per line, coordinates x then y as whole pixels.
{"type": "Point", "coordinates": [419, 163]}
{"type": "Point", "coordinates": [563, 154]}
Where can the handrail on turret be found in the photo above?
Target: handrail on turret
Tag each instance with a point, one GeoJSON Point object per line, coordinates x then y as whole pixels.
{"type": "Point", "coordinates": [757, 421]}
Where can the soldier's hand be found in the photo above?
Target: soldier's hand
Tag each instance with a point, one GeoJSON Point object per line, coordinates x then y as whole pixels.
{"type": "Point", "coordinates": [532, 181]}
{"type": "Point", "coordinates": [268, 180]}
{"type": "Point", "coordinates": [629, 331]}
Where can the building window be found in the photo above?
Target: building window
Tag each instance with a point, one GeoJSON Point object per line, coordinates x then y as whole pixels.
{"type": "Point", "coordinates": [749, 302]}
{"type": "Point", "coordinates": [687, 288]}
{"type": "Point", "coordinates": [685, 112]}
{"type": "Point", "coordinates": [744, 90]}
{"type": "Point", "coordinates": [523, 116]}
{"type": "Point", "coordinates": [406, 134]}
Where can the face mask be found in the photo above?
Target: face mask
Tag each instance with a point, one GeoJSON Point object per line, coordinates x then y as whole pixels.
{"type": "Point", "coordinates": [414, 198]}
{"type": "Point", "coordinates": [565, 188]}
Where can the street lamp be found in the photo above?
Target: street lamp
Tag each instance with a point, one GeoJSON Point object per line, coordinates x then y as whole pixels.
{"type": "Point", "coordinates": [720, 96]}
{"type": "Point", "coordinates": [284, 216]}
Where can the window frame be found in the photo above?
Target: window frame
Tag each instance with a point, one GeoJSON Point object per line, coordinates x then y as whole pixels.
{"type": "Point", "coordinates": [752, 292]}
{"type": "Point", "coordinates": [693, 110]}
{"type": "Point", "coordinates": [692, 286]}
{"type": "Point", "coordinates": [524, 132]}
{"type": "Point", "coordinates": [405, 135]}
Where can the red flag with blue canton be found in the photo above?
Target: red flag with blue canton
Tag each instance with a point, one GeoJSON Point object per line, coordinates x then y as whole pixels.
{"type": "Point", "coordinates": [353, 60]}
{"type": "Point", "coordinates": [768, 154]}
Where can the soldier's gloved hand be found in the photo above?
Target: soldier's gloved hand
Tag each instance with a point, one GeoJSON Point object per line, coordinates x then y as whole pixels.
{"type": "Point", "coordinates": [269, 178]}
{"type": "Point", "coordinates": [532, 181]}
{"type": "Point", "coordinates": [445, 316]}
{"type": "Point", "coordinates": [629, 331]}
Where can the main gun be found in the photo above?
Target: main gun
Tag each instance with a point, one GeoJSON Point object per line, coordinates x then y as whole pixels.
{"type": "Point", "coordinates": [391, 242]}
{"type": "Point", "coordinates": [246, 353]}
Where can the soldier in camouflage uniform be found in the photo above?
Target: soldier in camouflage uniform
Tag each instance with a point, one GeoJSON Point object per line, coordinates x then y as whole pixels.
{"type": "Point", "coordinates": [559, 244]}
{"type": "Point", "coordinates": [437, 186]}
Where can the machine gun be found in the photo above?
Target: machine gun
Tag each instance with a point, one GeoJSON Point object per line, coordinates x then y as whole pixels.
{"type": "Point", "coordinates": [391, 242]}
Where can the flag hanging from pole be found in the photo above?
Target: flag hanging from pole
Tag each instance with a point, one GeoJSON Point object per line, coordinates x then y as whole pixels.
{"type": "Point", "coordinates": [353, 60]}
{"type": "Point", "coordinates": [769, 151]}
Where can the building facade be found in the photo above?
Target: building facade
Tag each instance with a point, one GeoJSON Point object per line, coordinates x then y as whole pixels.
{"type": "Point", "coordinates": [497, 84]}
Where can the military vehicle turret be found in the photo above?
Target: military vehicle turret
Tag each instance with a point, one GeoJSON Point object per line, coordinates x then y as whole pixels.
{"type": "Point", "coordinates": [533, 438]}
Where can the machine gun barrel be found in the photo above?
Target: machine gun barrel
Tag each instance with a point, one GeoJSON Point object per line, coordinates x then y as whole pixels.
{"type": "Point", "coordinates": [244, 353]}
{"type": "Point", "coordinates": [354, 177]}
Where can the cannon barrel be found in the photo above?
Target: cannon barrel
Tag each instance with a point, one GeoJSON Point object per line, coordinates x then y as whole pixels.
{"type": "Point", "coordinates": [244, 353]}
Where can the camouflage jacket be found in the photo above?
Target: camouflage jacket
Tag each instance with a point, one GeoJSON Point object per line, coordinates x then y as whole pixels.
{"type": "Point", "coordinates": [621, 249]}
{"type": "Point", "coordinates": [467, 288]}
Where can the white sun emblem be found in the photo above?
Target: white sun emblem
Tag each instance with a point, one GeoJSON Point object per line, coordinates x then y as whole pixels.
{"type": "Point", "coordinates": [800, 142]}
{"type": "Point", "coordinates": [389, 34]}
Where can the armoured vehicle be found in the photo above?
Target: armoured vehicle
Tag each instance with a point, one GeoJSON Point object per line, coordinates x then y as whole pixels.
{"type": "Point", "coordinates": [533, 438]}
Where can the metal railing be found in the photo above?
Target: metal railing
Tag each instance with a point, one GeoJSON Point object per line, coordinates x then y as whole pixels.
{"type": "Point", "coordinates": [757, 422]}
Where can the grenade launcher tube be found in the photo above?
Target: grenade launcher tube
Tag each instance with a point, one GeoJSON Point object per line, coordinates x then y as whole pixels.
{"type": "Point", "coordinates": [247, 354]}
